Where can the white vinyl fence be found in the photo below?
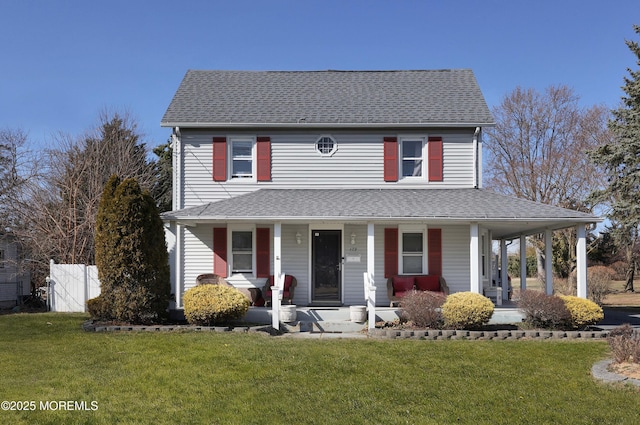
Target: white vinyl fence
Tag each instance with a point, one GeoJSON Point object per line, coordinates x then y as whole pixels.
{"type": "Point", "coordinates": [71, 285]}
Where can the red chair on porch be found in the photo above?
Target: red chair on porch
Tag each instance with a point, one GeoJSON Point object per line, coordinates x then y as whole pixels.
{"type": "Point", "coordinates": [290, 283]}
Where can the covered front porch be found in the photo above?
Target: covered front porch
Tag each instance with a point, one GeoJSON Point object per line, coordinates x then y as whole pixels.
{"type": "Point", "coordinates": [361, 237]}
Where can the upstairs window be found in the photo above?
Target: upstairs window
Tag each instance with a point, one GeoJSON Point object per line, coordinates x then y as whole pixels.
{"type": "Point", "coordinates": [412, 157]}
{"type": "Point", "coordinates": [241, 159]}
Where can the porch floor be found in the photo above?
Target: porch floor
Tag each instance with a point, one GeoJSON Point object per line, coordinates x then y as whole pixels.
{"type": "Point", "coordinates": [338, 319]}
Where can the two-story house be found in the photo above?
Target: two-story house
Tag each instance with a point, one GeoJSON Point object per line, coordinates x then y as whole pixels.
{"type": "Point", "coordinates": [339, 176]}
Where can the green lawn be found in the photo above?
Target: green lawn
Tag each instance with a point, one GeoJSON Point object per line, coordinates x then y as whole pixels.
{"type": "Point", "coordinates": [229, 378]}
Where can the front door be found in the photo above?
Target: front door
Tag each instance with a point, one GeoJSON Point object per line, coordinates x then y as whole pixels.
{"type": "Point", "coordinates": [326, 266]}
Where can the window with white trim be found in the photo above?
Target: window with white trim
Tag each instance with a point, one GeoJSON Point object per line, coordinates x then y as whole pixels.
{"type": "Point", "coordinates": [242, 158]}
{"type": "Point", "coordinates": [326, 146]}
{"type": "Point", "coordinates": [242, 251]}
{"type": "Point", "coordinates": [412, 250]}
{"type": "Point", "coordinates": [412, 156]}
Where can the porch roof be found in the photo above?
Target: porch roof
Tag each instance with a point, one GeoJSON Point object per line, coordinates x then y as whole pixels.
{"type": "Point", "coordinates": [507, 216]}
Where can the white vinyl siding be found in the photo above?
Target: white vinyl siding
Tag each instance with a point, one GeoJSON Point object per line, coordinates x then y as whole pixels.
{"type": "Point", "coordinates": [355, 263]}
{"type": "Point", "coordinates": [198, 243]}
{"type": "Point", "coordinates": [295, 163]}
{"type": "Point", "coordinates": [455, 257]}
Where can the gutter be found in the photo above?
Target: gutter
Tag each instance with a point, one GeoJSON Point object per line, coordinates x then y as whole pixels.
{"type": "Point", "coordinates": [475, 157]}
{"type": "Point", "coordinates": [321, 125]}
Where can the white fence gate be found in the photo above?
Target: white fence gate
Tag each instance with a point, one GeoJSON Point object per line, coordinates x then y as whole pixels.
{"type": "Point", "coordinates": [71, 285]}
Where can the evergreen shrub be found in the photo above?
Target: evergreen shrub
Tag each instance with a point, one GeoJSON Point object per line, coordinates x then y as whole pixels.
{"type": "Point", "coordinates": [466, 310]}
{"type": "Point", "coordinates": [423, 308]}
{"type": "Point", "coordinates": [131, 255]}
{"type": "Point", "coordinates": [582, 312]}
{"type": "Point", "coordinates": [206, 305]}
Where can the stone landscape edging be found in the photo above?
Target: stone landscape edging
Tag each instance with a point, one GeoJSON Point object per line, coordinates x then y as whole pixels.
{"type": "Point", "coordinates": [600, 371]}
{"type": "Point", "coordinates": [374, 333]}
{"type": "Point", "coordinates": [487, 335]}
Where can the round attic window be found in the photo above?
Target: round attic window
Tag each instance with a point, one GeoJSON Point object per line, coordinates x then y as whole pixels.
{"type": "Point", "coordinates": [326, 145]}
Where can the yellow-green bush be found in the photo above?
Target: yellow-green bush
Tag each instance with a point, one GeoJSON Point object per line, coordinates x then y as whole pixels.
{"type": "Point", "coordinates": [209, 304]}
{"type": "Point", "coordinates": [466, 310]}
{"type": "Point", "coordinates": [583, 312]}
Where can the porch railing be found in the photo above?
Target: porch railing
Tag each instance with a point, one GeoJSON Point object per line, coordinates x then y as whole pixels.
{"type": "Point", "coordinates": [370, 298]}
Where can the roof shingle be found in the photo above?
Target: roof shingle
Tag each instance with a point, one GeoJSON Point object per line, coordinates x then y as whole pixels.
{"type": "Point", "coordinates": [427, 97]}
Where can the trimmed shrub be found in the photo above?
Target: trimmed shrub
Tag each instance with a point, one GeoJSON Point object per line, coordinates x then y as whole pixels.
{"type": "Point", "coordinates": [624, 344]}
{"type": "Point", "coordinates": [422, 308]}
{"type": "Point", "coordinates": [543, 311]}
{"type": "Point", "coordinates": [599, 279]}
{"type": "Point", "coordinates": [620, 270]}
{"type": "Point", "coordinates": [583, 312]}
{"type": "Point", "coordinates": [95, 307]}
{"type": "Point", "coordinates": [206, 305]}
{"type": "Point", "coordinates": [466, 310]}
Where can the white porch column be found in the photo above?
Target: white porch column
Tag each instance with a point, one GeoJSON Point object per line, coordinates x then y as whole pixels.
{"type": "Point", "coordinates": [474, 259]}
{"type": "Point", "coordinates": [581, 257]}
{"type": "Point", "coordinates": [523, 262]}
{"type": "Point", "coordinates": [178, 272]}
{"type": "Point", "coordinates": [277, 271]}
{"type": "Point", "coordinates": [548, 260]}
{"type": "Point", "coordinates": [370, 284]}
{"type": "Point", "coordinates": [504, 273]}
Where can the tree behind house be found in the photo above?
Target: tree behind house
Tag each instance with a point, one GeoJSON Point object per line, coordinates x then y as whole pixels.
{"type": "Point", "coordinates": [537, 151]}
{"type": "Point", "coordinates": [131, 255]}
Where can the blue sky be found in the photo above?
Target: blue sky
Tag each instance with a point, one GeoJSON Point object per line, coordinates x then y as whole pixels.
{"type": "Point", "coordinates": [64, 61]}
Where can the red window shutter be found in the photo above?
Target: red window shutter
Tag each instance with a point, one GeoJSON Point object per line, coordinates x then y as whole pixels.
{"type": "Point", "coordinates": [264, 159]}
{"type": "Point", "coordinates": [435, 159]}
{"type": "Point", "coordinates": [219, 159]}
{"type": "Point", "coordinates": [263, 259]}
{"type": "Point", "coordinates": [220, 251]}
{"type": "Point", "coordinates": [390, 252]}
{"type": "Point", "coordinates": [434, 247]}
{"type": "Point", "coordinates": [391, 159]}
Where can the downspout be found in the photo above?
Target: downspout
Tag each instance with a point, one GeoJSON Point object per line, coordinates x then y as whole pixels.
{"type": "Point", "coordinates": [175, 163]}
{"type": "Point", "coordinates": [177, 195]}
{"type": "Point", "coordinates": [475, 157]}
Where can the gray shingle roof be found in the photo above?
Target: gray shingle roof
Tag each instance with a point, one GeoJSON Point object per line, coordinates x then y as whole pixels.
{"type": "Point", "coordinates": [441, 205]}
{"type": "Point", "coordinates": [436, 97]}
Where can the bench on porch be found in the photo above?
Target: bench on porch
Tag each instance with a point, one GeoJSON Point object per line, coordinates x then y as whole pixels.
{"type": "Point", "coordinates": [400, 285]}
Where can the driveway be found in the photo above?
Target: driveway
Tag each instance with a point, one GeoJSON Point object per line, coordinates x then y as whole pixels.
{"type": "Point", "coordinates": [616, 316]}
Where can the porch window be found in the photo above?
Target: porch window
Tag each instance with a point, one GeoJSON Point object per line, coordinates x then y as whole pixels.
{"type": "Point", "coordinates": [242, 251]}
{"type": "Point", "coordinates": [412, 157]}
{"type": "Point", "coordinates": [412, 252]}
{"type": "Point", "coordinates": [241, 159]}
